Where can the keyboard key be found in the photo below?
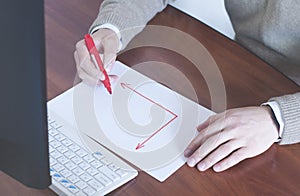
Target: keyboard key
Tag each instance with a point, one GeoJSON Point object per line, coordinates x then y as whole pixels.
{"type": "Point", "coordinates": [51, 148]}
{"type": "Point", "coordinates": [63, 160]}
{"type": "Point", "coordinates": [86, 177]}
{"type": "Point", "coordinates": [58, 167]}
{"type": "Point", "coordinates": [89, 190]}
{"type": "Point", "coordinates": [105, 161]}
{"type": "Point", "coordinates": [52, 161]}
{"type": "Point", "coordinates": [50, 120]}
{"type": "Point", "coordinates": [81, 153]}
{"type": "Point", "coordinates": [49, 127]}
{"type": "Point", "coordinates": [62, 149]}
{"type": "Point", "coordinates": [96, 164]}
{"type": "Point", "coordinates": [113, 167]}
{"type": "Point", "coordinates": [73, 178]}
{"type": "Point", "coordinates": [89, 158]}
{"type": "Point", "coordinates": [103, 179]}
{"type": "Point", "coordinates": [52, 172]}
{"type": "Point", "coordinates": [73, 188]}
{"type": "Point", "coordinates": [74, 147]}
{"type": "Point", "coordinates": [55, 125]}
{"type": "Point", "coordinates": [77, 160]}
{"type": "Point", "coordinates": [69, 154]}
{"type": "Point", "coordinates": [70, 165]}
{"type": "Point", "coordinates": [98, 155]}
{"type": "Point", "coordinates": [50, 138]}
{"type": "Point", "coordinates": [121, 172]}
{"type": "Point", "coordinates": [55, 154]}
{"type": "Point", "coordinates": [55, 143]}
{"type": "Point", "coordinates": [67, 142]}
{"type": "Point", "coordinates": [78, 171]}
{"type": "Point", "coordinates": [65, 182]}
{"type": "Point", "coordinates": [112, 175]}
{"type": "Point", "coordinates": [52, 132]}
{"type": "Point", "coordinates": [84, 165]}
{"type": "Point", "coordinates": [66, 173]}
{"type": "Point", "coordinates": [81, 184]}
{"type": "Point", "coordinates": [96, 185]}
{"type": "Point", "coordinates": [57, 176]}
{"type": "Point", "coordinates": [92, 171]}
{"type": "Point", "coordinates": [60, 137]}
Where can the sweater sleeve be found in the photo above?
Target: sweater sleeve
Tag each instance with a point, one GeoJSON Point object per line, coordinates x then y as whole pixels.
{"type": "Point", "coordinates": [290, 110]}
{"type": "Point", "coordinates": [129, 16]}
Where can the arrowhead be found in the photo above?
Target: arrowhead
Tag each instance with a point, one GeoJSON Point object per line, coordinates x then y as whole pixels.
{"type": "Point", "coordinates": [139, 146]}
{"type": "Point", "coordinates": [124, 85]}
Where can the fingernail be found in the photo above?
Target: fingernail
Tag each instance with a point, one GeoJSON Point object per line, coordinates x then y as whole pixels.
{"type": "Point", "coordinates": [217, 168]}
{"type": "Point", "coordinates": [187, 153]}
{"type": "Point", "coordinates": [201, 166]}
{"type": "Point", "coordinates": [191, 162]}
{"type": "Point", "coordinates": [101, 76]}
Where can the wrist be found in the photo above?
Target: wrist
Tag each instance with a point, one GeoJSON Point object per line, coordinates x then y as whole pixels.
{"type": "Point", "coordinates": [277, 115]}
{"type": "Point", "coordinates": [112, 28]}
{"type": "Point", "coordinates": [272, 117]}
{"type": "Point", "coordinates": [107, 37]}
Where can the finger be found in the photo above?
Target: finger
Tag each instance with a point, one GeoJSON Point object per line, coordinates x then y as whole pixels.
{"type": "Point", "coordinates": [76, 58]}
{"type": "Point", "coordinates": [93, 74]}
{"type": "Point", "coordinates": [197, 142]}
{"type": "Point", "coordinates": [209, 131]}
{"type": "Point", "coordinates": [194, 144]}
{"type": "Point", "coordinates": [113, 78]}
{"type": "Point", "coordinates": [82, 51]}
{"type": "Point", "coordinates": [85, 62]}
{"type": "Point", "coordinates": [220, 153]}
{"type": "Point", "coordinates": [204, 125]}
{"type": "Point", "coordinates": [208, 121]}
{"type": "Point", "coordinates": [86, 78]}
{"type": "Point", "coordinates": [208, 146]}
{"type": "Point", "coordinates": [233, 159]}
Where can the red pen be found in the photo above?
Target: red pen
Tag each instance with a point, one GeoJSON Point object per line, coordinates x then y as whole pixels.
{"type": "Point", "coordinates": [97, 60]}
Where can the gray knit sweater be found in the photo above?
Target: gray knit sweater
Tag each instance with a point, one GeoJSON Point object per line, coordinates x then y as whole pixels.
{"type": "Point", "coordinates": [268, 28]}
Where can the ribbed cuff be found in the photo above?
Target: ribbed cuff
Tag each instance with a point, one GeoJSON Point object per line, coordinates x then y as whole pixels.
{"type": "Point", "coordinates": [290, 110]}
{"type": "Point", "coordinates": [127, 32]}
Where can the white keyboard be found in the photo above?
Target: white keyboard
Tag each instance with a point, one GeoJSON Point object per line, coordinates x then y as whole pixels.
{"type": "Point", "coordinates": [77, 171]}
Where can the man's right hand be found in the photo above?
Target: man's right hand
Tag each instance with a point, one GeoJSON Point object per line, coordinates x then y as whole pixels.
{"type": "Point", "coordinates": [107, 43]}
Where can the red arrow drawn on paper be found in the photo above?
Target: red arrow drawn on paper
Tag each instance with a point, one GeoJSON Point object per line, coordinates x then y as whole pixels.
{"type": "Point", "coordinates": [142, 144]}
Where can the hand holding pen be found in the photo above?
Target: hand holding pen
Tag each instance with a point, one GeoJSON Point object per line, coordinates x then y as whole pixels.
{"type": "Point", "coordinates": [107, 43]}
{"type": "Point", "coordinates": [89, 42]}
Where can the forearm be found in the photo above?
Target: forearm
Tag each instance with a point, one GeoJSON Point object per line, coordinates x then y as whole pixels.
{"type": "Point", "coordinates": [129, 16]}
{"type": "Point", "coordinates": [290, 110]}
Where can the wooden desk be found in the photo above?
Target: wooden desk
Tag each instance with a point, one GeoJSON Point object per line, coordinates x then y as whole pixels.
{"type": "Point", "coordinates": [248, 81]}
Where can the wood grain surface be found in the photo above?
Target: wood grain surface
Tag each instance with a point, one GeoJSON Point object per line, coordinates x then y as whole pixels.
{"type": "Point", "coordinates": [247, 80]}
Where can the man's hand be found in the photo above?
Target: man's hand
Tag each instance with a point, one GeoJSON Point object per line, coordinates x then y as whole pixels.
{"type": "Point", "coordinates": [227, 138]}
{"type": "Point", "coordinates": [107, 43]}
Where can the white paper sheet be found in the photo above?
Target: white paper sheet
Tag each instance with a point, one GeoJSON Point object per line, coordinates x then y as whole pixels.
{"type": "Point", "coordinates": [140, 113]}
